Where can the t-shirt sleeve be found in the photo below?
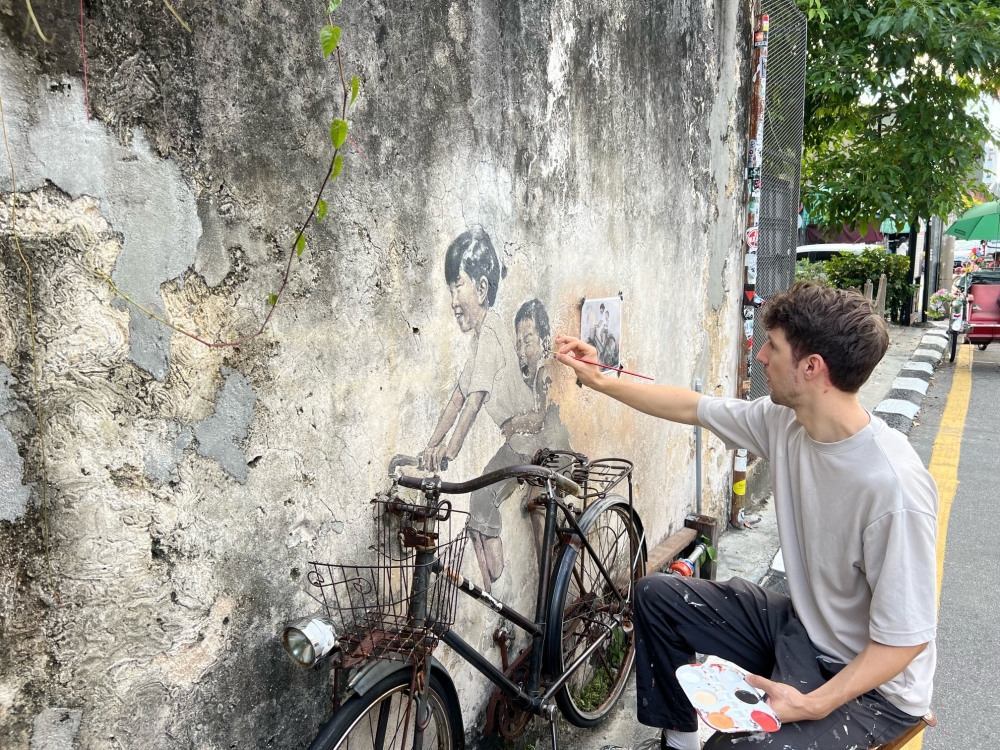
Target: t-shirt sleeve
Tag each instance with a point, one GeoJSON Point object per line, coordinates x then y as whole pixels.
{"type": "Point", "coordinates": [739, 423]}
{"type": "Point", "coordinates": [489, 362]}
{"type": "Point", "coordinates": [900, 556]}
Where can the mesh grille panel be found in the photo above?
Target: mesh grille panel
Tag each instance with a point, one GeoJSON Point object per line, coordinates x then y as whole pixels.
{"type": "Point", "coordinates": [778, 204]}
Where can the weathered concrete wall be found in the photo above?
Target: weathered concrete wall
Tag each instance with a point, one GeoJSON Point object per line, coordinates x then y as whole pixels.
{"type": "Point", "coordinates": [598, 145]}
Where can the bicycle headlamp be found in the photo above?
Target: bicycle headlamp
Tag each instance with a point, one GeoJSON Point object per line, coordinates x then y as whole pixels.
{"type": "Point", "coordinates": [308, 640]}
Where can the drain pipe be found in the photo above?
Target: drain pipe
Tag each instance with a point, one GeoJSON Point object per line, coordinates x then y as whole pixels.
{"type": "Point", "coordinates": [697, 457]}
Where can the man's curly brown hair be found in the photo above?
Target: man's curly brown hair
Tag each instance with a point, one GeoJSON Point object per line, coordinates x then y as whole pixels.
{"type": "Point", "coordinates": [840, 326]}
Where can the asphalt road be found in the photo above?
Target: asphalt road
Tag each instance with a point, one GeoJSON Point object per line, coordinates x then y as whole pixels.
{"type": "Point", "coordinates": [967, 686]}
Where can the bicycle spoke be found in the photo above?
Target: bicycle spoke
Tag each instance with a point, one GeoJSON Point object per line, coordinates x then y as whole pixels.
{"type": "Point", "coordinates": [403, 715]}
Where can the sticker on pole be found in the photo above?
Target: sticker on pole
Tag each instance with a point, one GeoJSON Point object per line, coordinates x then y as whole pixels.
{"type": "Point", "coordinates": [752, 238]}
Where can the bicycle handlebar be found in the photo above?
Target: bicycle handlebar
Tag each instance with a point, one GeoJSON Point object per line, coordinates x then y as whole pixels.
{"type": "Point", "coordinates": [564, 484]}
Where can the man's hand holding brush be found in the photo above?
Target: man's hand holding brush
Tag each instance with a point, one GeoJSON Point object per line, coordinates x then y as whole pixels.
{"type": "Point", "coordinates": [664, 401]}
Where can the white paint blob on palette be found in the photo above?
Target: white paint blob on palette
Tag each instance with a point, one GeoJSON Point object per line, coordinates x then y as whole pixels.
{"type": "Point", "coordinates": [723, 698]}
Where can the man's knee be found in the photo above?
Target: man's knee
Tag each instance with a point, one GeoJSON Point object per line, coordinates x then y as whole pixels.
{"type": "Point", "coordinates": [656, 591]}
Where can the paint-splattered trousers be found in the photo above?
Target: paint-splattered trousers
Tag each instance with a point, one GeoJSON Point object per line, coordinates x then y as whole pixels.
{"type": "Point", "coordinates": [677, 617]}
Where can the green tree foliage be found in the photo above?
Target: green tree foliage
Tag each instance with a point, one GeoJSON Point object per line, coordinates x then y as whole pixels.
{"type": "Point", "coordinates": [806, 271]}
{"type": "Point", "coordinates": [893, 120]}
{"type": "Point", "coordinates": [852, 270]}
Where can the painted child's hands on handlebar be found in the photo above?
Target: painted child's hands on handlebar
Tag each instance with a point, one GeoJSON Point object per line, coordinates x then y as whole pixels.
{"type": "Point", "coordinates": [435, 458]}
{"type": "Point", "coordinates": [569, 347]}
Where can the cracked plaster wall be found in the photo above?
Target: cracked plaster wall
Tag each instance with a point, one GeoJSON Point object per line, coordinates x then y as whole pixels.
{"type": "Point", "coordinates": [599, 144]}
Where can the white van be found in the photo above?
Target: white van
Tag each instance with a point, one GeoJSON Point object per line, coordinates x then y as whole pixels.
{"type": "Point", "coordinates": [815, 253]}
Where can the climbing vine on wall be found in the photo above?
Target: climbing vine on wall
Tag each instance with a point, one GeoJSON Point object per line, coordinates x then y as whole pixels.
{"type": "Point", "coordinates": [339, 129]}
{"type": "Point", "coordinates": [329, 37]}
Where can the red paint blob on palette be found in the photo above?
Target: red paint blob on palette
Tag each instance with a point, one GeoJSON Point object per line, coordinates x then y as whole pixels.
{"type": "Point", "coordinates": [764, 721]}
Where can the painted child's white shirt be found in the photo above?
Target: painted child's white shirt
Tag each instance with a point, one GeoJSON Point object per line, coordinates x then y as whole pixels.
{"type": "Point", "coordinates": [492, 367]}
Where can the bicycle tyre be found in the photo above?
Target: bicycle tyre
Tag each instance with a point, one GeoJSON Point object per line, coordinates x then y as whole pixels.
{"type": "Point", "coordinates": [588, 697]}
{"type": "Point", "coordinates": [954, 345]}
{"type": "Point", "coordinates": [349, 720]}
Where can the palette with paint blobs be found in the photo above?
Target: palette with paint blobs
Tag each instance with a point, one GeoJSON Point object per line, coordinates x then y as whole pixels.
{"type": "Point", "coordinates": [723, 698]}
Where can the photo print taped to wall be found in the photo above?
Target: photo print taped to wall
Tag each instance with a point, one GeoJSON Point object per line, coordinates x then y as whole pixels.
{"type": "Point", "coordinates": [601, 327]}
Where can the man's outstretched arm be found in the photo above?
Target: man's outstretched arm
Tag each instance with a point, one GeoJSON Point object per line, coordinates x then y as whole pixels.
{"type": "Point", "coordinates": [663, 401]}
{"type": "Point", "coordinates": [874, 666]}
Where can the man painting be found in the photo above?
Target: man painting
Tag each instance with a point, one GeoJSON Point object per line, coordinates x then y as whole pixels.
{"type": "Point", "coordinates": [848, 660]}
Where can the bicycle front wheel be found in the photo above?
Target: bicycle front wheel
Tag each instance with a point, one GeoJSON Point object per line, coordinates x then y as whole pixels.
{"type": "Point", "coordinates": [378, 720]}
{"type": "Point", "coordinates": [583, 607]}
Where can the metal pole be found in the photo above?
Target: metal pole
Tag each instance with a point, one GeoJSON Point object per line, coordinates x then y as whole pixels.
{"type": "Point", "coordinates": [750, 299]}
{"type": "Point", "coordinates": [928, 274]}
{"type": "Point", "coordinates": [697, 457]}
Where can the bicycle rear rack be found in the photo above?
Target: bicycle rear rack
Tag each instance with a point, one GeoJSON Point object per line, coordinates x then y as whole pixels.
{"type": "Point", "coordinates": [597, 478]}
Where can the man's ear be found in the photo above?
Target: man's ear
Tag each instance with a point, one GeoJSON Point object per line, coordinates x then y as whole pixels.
{"type": "Point", "coordinates": [483, 291]}
{"type": "Point", "coordinates": [815, 366]}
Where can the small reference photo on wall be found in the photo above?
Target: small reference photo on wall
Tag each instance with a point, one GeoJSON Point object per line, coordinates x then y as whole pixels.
{"type": "Point", "coordinates": [601, 327]}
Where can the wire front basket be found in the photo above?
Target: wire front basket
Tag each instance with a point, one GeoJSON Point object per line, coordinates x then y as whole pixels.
{"type": "Point", "coordinates": [400, 606]}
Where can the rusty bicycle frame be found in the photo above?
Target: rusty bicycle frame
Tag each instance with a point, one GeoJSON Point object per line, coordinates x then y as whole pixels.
{"type": "Point", "coordinates": [418, 628]}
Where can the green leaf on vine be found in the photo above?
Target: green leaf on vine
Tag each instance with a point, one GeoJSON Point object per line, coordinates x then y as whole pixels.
{"type": "Point", "coordinates": [338, 132]}
{"type": "Point", "coordinates": [300, 245]}
{"type": "Point", "coordinates": [329, 36]}
{"type": "Point", "coordinates": [338, 164]}
{"type": "Point", "coordinates": [272, 299]}
{"type": "Point", "coordinates": [354, 89]}
{"type": "Point", "coordinates": [322, 211]}
{"type": "Point", "coordinates": [332, 5]}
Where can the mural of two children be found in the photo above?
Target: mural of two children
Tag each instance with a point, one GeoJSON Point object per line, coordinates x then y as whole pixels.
{"type": "Point", "coordinates": [505, 376]}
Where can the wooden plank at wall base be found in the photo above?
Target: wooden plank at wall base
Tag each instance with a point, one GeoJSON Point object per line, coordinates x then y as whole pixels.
{"type": "Point", "coordinates": [708, 527]}
{"type": "Point", "coordinates": [664, 553]}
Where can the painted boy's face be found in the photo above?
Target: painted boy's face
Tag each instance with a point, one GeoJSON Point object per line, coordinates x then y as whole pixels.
{"type": "Point", "coordinates": [530, 350]}
{"type": "Point", "coordinates": [468, 301]}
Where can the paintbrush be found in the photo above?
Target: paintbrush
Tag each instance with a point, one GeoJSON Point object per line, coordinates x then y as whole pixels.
{"type": "Point", "coordinates": [606, 367]}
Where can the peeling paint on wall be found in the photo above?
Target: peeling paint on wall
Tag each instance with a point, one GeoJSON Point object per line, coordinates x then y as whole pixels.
{"type": "Point", "coordinates": [143, 197]}
{"type": "Point", "coordinates": [165, 442]}
{"type": "Point", "coordinates": [13, 494]}
{"type": "Point", "coordinates": [220, 435]}
{"type": "Point", "coordinates": [55, 729]}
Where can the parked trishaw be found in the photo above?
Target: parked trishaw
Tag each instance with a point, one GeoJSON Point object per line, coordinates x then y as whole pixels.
{"type": "Point", "coordinates": [976, 311]}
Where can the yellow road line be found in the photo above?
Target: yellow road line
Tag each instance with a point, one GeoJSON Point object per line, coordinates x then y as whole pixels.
{"type": "Point", "coordinates": [944, 464]}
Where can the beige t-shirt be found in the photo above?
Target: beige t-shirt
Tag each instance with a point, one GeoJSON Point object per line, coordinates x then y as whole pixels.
{"type": "Point", "coordinates": [857, 520]}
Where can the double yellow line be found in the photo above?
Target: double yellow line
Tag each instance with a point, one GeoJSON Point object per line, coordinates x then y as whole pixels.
{"type": "Point", "coordinates": [944, 464]}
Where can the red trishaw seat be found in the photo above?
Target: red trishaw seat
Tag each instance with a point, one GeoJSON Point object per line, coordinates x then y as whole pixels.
{"type": "Point", "coordinates": [985, 298]}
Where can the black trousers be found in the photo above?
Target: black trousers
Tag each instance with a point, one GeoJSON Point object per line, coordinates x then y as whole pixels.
{"type": "Point", "coordinates": [757, 629]}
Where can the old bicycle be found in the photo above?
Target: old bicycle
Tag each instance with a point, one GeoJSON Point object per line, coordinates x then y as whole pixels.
{"type": "Point", "coordinates": [387, 618]}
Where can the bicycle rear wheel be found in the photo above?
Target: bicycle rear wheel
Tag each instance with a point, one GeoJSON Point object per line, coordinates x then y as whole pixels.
{"type": "Point", "coordinates": [583, 603]}
{"type": "Point", "coordinates": [377, 720]}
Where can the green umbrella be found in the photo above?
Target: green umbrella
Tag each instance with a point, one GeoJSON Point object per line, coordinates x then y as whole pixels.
{"type": "Point", "coordinates": [978, 223]}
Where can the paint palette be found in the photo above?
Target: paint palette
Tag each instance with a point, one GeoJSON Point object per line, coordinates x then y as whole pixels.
{"type": "Point", "coordinates": [723, 698]}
